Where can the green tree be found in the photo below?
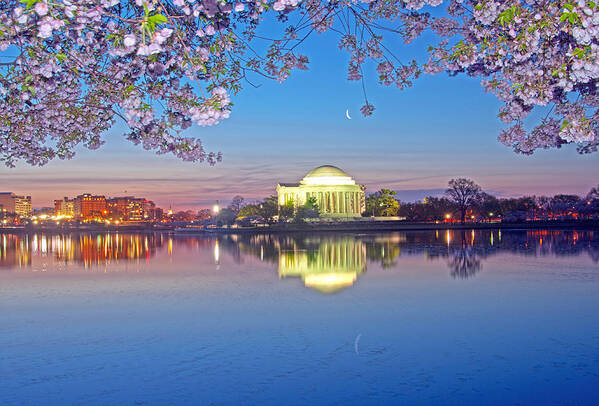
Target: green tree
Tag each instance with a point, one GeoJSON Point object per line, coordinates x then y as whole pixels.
{"type": "Point", "coordinates": [287, 210]}
{"type": "Point", "coordinates": [249, 210]}
{"type": "Point", "coordinates": [308, 210]}
{"type": "Point", "coordinates": [269, 209]}
{"type": "Point", "coordinates": [382, 203]}
{"type": "Point", "coordinates": [312, 204]}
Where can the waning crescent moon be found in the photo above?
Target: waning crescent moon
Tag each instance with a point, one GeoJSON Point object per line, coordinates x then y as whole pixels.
{"type": "Point", "coordinates": [347, 114]}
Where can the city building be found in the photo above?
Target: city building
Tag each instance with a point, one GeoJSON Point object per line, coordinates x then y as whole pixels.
{"type": "Point", "coordinates": [337, 194]}
{"type": "Point", "coordinates": [129, 208]}
{"type": "Point", "coordinates": [7, 202]}
{"type": "Point", "coordinates": [87, 206]}
{"type": "Point", "coordinates": [64, 207]}
{"type": "Point", "coordinates": [14, 204]}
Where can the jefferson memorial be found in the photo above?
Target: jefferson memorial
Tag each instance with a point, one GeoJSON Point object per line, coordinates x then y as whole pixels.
{"type": "Point", "coordinates": [337, 194]}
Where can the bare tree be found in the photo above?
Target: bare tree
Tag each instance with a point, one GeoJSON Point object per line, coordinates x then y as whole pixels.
{"type": "Point", "coordinates": [464, 193]}
{"type": "Point", "coordinates": [236, 204]}
{"type": "Point", "coordinates": [593, 193]}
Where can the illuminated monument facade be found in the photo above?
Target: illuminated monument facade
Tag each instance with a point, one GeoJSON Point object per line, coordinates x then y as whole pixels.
{"type": "Point", "coordinates": [337, 194]}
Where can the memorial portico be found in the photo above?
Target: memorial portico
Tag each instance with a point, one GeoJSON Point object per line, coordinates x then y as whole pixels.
{"type": "Point", "coordinates": [337, 194]}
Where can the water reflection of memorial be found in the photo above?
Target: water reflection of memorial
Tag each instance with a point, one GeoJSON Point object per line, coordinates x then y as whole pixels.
{"type": "Point", "coordinates": [463, 251]}
{"type": "Point", "coordinates": [87, 249]}
{"type": "Point", "coordinates": [326, 265]}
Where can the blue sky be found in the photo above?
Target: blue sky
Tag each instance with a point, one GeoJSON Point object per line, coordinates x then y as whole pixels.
{"type": "Point", "coordinates": [415, 142]}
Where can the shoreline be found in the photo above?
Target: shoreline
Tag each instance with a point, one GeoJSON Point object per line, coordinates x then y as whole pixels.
{"type": "Point", "coordinates": [378, 226]}
{"type": "Point", "coordinates": [389, 226]}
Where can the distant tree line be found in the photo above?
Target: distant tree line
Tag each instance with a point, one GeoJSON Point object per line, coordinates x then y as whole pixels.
{"type": "Point", "coordinates": [464, 200]}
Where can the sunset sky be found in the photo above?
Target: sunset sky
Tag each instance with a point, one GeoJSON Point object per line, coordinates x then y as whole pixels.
{"type": "Point", "coordinates": [415, 142]}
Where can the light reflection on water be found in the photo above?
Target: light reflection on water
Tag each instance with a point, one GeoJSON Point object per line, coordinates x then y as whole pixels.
{"type": "Point", "coordinates": [325, 262]}
{"type": "Point", "coordinates": [439, 317]}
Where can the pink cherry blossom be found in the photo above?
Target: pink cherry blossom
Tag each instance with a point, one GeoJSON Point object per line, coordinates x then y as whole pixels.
{"type": "Point", "coordinates": [70, 70]}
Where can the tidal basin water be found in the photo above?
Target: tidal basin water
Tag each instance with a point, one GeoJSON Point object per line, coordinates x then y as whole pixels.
{"type": "Point", "coordinates": [445, 317]}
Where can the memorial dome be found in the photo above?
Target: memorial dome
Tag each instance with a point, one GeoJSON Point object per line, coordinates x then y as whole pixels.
{"type": "Point", "coordinates": [326, 170]}
{"type": "Point", "coordinates": [327, 175]}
